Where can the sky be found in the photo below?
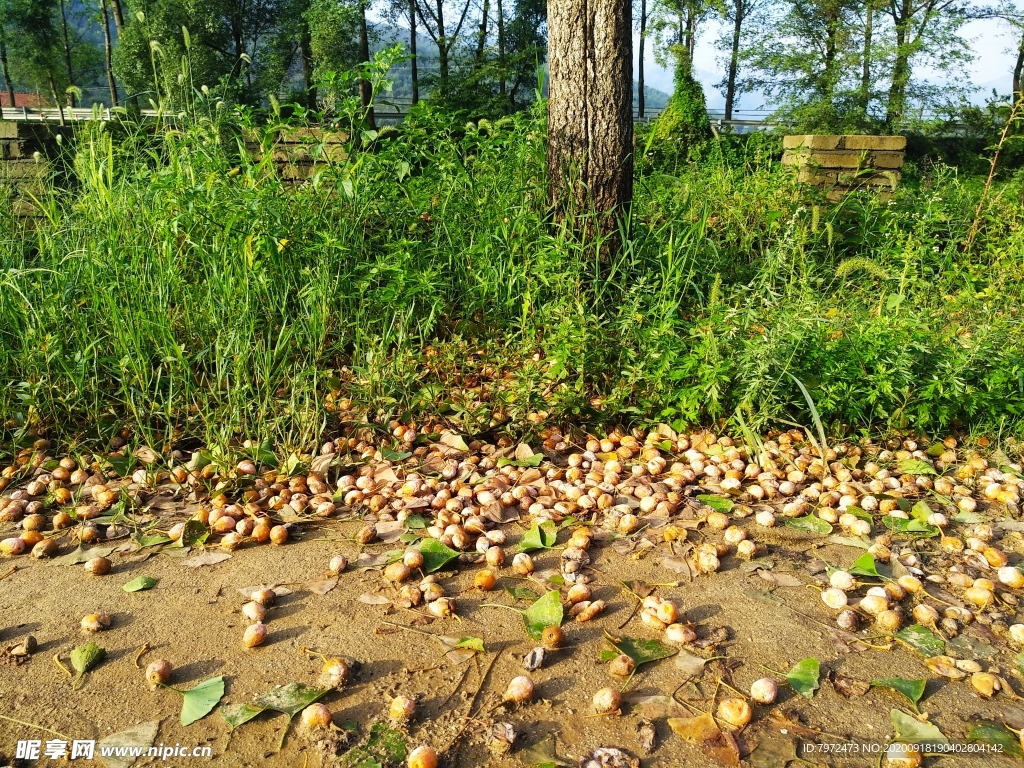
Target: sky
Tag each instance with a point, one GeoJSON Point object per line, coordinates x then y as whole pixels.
{"type": "Point", "coordinates": [992, 68]}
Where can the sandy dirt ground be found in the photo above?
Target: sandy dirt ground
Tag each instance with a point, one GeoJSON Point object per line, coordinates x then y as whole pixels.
{"type": "Point", "coordinates": [192, 618]}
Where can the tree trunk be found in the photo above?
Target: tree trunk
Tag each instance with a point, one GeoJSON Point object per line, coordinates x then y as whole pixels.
{"type": "Point", "coordinates": [865, 76]}
{"type": "Point", "coordinates": [1018, 73]}
{"type": "Point", "coordinates": [67, 51]}
{"type": "Point", "coordinates": [6, 70]}
{"type": "Point", "coordinates": [501, 49]}
{"type": "Point", "coordinates": [115, 6]}
{"type": "Point", "coordinates": [442, 50]}
{"type": "Point", "coordinates": [590, 114]}
{"type": "Point", "coordinates": [306, 55]}
{"type": "Point", "coordinates": [56, 98]}
{"type": "Point", "coordinates": [691, 36]}
{"type": "Point", "coordinates": [901, 68]}
{"type": "Point", "coordinates": [412, 52]}
{"type": "Point", "coordinates": [734, 58]}
{"type": "Point", "coordinates": [365, 87]}
{"type": "Point", "coordinates": [481, 39]}
{"type": "Point", "coordinates": [640, 61]}
{"type": "Point", "coordinates": [107, 53]}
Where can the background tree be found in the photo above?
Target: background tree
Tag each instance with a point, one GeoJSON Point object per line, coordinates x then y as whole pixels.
{"type": "Point", "coordinates": [108, 52]}
{"type": "Point", "coordinates": [432, 16]}
{"type": "Point", "coordinates": [739, 16]}
{"type": "Point", "coordinates": [675, 28]}
{"type": "Point", "coordinates": [334, 44]}
{"type": "Point", "coordinates": [805, 60]}
{"type": "Point", "coordinates": [6, 27]}
{"type": "Point", "coordinates": [922, 29]}
{"type": "Point", "coordinates": [590, 107]}
{"type": "Point", "coordinates": [641, 10]}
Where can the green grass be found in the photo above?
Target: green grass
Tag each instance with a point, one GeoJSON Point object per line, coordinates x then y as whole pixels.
{"type": "Point", "coordinates": [425, 278]}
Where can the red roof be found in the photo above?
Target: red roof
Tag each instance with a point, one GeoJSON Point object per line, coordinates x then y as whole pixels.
{"type": "Point", "coordinates": [29, 100]}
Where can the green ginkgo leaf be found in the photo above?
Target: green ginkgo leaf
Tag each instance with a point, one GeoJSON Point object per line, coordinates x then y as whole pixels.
{"type": "Point", "coordinates": [805, 676]}
{"type": "Point", "coordinates": [912, 689]}
{"type": "Point", "coordinates": [200, 701]}
{"type": "Point", "coordinates": [545, 612]}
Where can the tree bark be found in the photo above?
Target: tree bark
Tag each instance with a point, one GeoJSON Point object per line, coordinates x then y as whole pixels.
{"type": "Point", "coordinates": [1018, 73]}
{"type": "Point", "coordinates": [640, 61]}
{"type": "Point", "coordinates": [306, 57]}
{"type": "Point", "coordinates": [107, 53]}
{"type": "Point", "coordinates": [901, 67]}
{"type": "Point", "coordinates": [501, 48]}
{"type": "Point", "coordinates": [56, 98]}
{"type": "Point", "coordinates": [590, 114]}
{"type": "Point", "coordinates": [412, 51]}
{"type": "Point", "coordinates": [365, 87]}
{"type": "Point", "coordinates": [865, 76]}
{"type": "Point", "coordinates": [734, 58]}
{"type": "Point", "coordinates": [115, 6]}
{"type": "Point", "coordinates": [67, 50]}
{"type": "Point", "coordinates": [442, 49]}
{"type": "Point", "coordinates": [6, 68]}
{"type": "Point", "coordinates": [481, 39]}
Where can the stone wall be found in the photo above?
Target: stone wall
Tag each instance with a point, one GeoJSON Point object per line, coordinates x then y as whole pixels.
{"type": "Point", "coordinates": [28, 154]}
{"type": "Point", "coordinates": [26, 163]}
{"type": "Point", "coordinates": [839, 164]}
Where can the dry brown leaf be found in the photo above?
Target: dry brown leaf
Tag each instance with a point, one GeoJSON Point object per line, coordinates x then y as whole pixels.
{"type": "Point", "coordinates": [774, 750]}
{"type": "Point", "coordinates": [146, 455]}
{"type": "Point", "coordinates": [371, 560]}
{"type": "Point", "coordinates": [321, 586]}
{"type": "Point", "coordinates": [703, 732]}
{"type": "Point", "coordinates": [205, 558]}
{"type": "Point", "coordinates": [676, 565]}
{"type": "Point", "coordinates": [780, 579]}
{"type": "Point", "coordinates": [849, 687]}
{"type": "Point", "coordinates": [656, 707]}
{"type": "Point", "coordinates": [390, 531]}
{"type": "Point", "coordinates": [369, 599]}
{"type": "Point", "coordinates": [782, 721]}
{"type": "Point", "coordinates": [322, 464]}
